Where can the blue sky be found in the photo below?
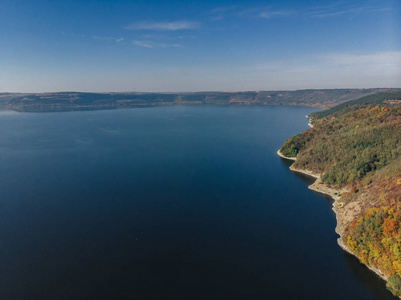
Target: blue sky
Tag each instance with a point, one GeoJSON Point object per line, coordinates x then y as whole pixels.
{"type": "Point", "coordinates": [173, 46]}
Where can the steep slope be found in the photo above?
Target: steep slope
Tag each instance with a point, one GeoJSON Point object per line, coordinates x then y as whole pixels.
{"type": "Point", "coordinates": [356, 150]}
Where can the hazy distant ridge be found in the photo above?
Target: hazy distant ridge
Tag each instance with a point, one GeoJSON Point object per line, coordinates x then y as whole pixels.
{"type": "Point", "coordinates": [64, 101]}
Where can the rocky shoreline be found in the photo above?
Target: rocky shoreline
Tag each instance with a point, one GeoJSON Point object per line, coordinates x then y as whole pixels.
{"type": "Point", "coordinates": [285, 157]}
{"type": "Point", "coordinates": [344, 212]}
{"type": "Point", "coordinates": [309, 121]}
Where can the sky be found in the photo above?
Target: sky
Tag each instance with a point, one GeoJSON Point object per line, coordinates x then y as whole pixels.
{"type": "Point", "coordinates": [183, 46]}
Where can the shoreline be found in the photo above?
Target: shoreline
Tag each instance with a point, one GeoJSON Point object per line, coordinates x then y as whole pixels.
{"type": "Point", "coordinates": [285, 157]}
{"type": "Point", "coordinates": [321, 188]}
{"type": "Point", "coordinates": [309, 121]}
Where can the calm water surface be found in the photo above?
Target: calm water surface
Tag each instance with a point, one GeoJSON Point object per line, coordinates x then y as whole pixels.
{"type": "Point", "coordinates": [166, 203]}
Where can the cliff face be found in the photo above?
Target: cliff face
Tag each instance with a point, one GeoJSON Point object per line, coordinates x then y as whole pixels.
{"type": "Point", "coordinates": [356, 152]}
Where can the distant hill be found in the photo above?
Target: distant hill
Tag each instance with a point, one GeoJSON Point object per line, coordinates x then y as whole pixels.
{"type": "Point", "coordinates": [375, 99]}
{"type": "Point", "coordinates": [65, 101]}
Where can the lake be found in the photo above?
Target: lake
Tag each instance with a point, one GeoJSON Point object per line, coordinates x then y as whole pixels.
{"type": "Point", "coordinates": [182, 202]}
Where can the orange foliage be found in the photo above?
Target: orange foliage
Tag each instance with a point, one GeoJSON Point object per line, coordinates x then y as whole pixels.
{"type": "Point", "coordinates": [390, 227]}
{"type": "Point", "coordinates": [375, 240]}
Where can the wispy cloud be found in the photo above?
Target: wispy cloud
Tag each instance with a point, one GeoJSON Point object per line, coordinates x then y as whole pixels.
{"type": "Point", "coordinates": [162, 40]}
{"type": "Point", "coordinates": [107, 39]}
{"type": "Point", "coordinates": [341, 9]}
{"type": "Point", "coordinates": [219, 13]}
{"type": "Point", "coordinates": [391, 60]}
{"type": "Point", "coordinates": [335, 61]}
{"type": "Point", "coordinates": [334, 70]}
{"type": "Point", "coordinates": [153, 44]}
{"type": "Point", "coordinates": [169, 37]}
{"type": "Point", "coordinates": [163, 26]}
{"type": "Point", "coordinates": [266, 12]}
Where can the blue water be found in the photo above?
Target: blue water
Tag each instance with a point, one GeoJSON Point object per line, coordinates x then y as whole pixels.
{"type": "Point", "coordinates": [166, 203]}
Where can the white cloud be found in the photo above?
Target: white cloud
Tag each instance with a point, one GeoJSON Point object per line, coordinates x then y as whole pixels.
{"type": "Point", "coordinates": [219, 13]}
{"type": "Point", "coordinates": [144, 44]}
{"type": "Point", "coordinates": [160, 40]}
{"type": "Point", "coordinates": [375, 60]}
{"type": "Point", "coordinates": [265, 12]}
{"type": "Point", "coordinates": [153, 44]}
{"type": "Point", "coordinates": [268, 14]}
{"type": "Point", "coordinates": [338, 9]}
{"type": "Point", "coordinates": [163, 26]}
{"type": "Point", "coordinates": [335, 70]}
{"type": "Point", "coordinates": [161, 37]}
{"type": "Point", "coordinates": [107, 39]}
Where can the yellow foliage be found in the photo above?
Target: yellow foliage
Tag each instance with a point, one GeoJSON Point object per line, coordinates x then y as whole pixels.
{"type": "Point", "coordinates": [397, 266]}
{"type": "Point", "coordinates": [357, 126]}
{"type": "Point", "coordinates": [399, 181]}
{"type": "Point", "coordinates": [350, 243]}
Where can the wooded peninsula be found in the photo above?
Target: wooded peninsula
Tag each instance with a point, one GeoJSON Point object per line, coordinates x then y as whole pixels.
{"type": "Point", "coordinates": [355, 149]}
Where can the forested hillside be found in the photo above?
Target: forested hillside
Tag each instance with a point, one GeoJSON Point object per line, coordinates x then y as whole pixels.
{"type": "Point", "coordinates": [375, 99]}
{"type": "Point", "coordinates": [357, 145]}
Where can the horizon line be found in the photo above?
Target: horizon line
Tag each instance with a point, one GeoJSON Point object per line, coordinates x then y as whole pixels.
{"type": "Point", "coordinates": [205, 91]}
